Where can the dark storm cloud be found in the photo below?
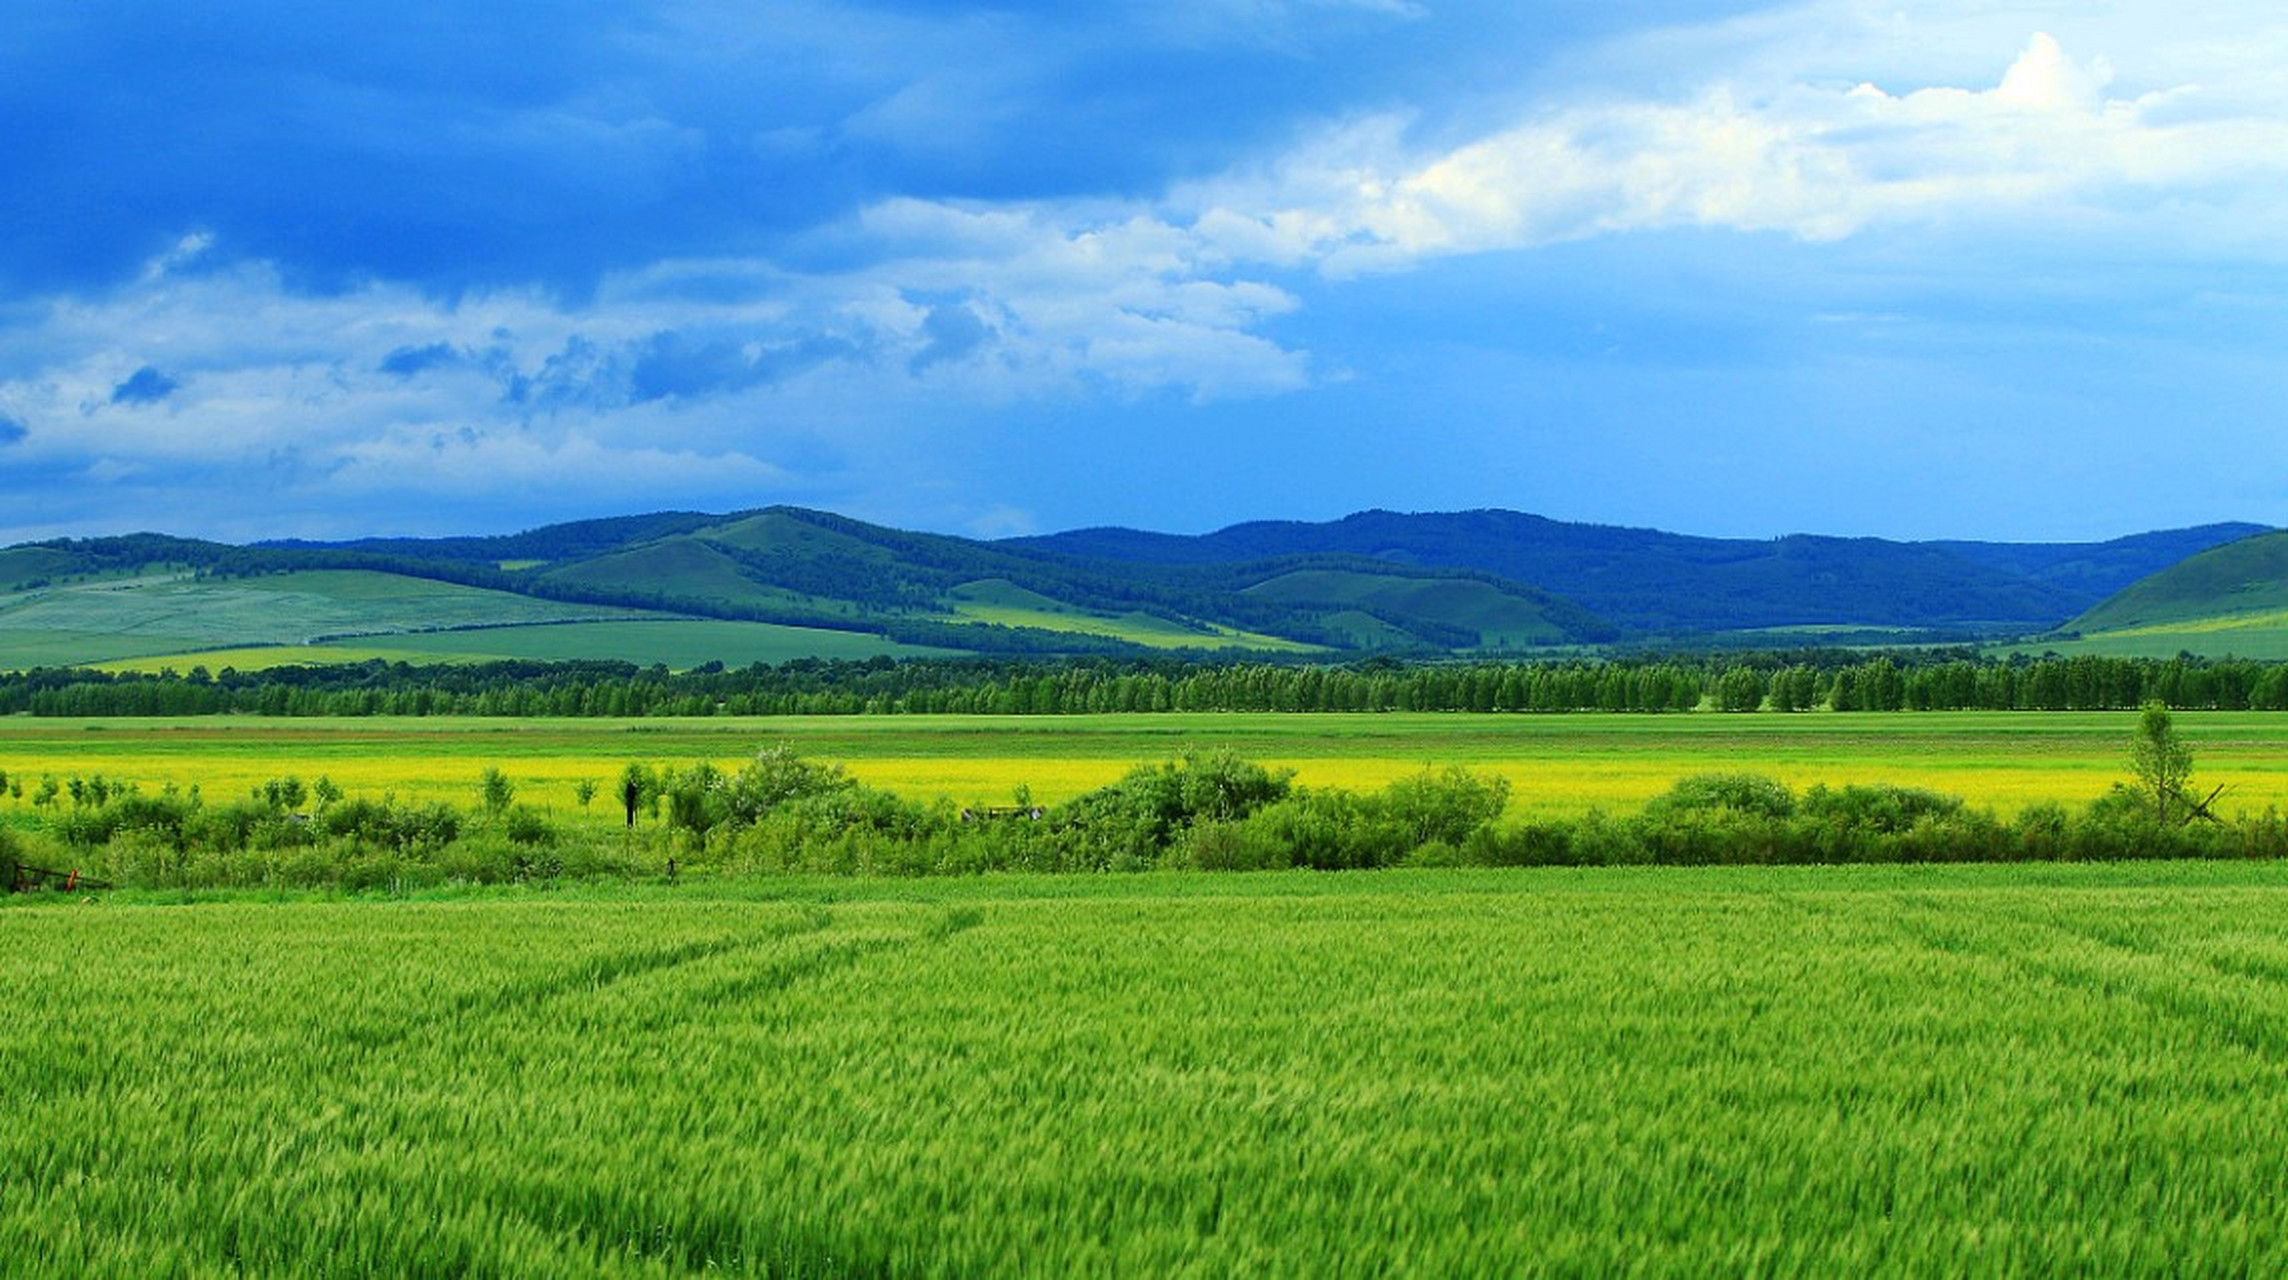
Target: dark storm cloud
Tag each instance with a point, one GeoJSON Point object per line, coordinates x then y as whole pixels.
{"type": "Point", "coordinates": [952, 332]}
{"type": "Point", "coordinates": [145, 386]}
{"type": "Point", "coordinates": [461, 145]}
{"type": "Point", "coordinates": [686, 366]}
{"type": "Point", "coordinates": [405, 362]}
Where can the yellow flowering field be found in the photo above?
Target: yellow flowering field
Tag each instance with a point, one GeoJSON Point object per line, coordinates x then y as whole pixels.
{"type": "Point", "coordinates": [1556, 765]}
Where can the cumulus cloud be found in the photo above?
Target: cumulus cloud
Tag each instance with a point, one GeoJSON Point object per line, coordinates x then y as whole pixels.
{"type": "Point", "coordinates": [1816, 162]}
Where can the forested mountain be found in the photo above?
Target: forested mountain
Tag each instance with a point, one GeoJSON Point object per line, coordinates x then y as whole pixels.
{"type": "Point", "coordinates": [1650, 582]}
{"type": "Point", "coordinates": [2099, 569]}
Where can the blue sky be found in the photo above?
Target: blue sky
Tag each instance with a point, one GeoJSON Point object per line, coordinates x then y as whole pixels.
{"type": "Point", "coordinates": [1968, 268]}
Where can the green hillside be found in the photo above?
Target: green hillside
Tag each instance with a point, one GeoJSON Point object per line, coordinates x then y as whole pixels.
{"type": "Point", "coordinates": [1492, 616]}
{"type": "Point", "coordinates": [1003, 603]}
{"type": "Point", "coordinates": [687, 574]}
{"type": "Point", "coordinates": [829, 585]}
{"type": "Point", "coordinates": [105, 619]}
{"type": "Point", "coordinates": [22, 567]}
{"type": "Point", "coordinates": [2235, 580]}
{"type": "Point", "coordinates": [790, 565]}
{"type": "Point", "coordinates": [317, 616]}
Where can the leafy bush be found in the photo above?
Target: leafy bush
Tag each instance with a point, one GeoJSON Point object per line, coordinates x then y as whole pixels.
{"type": "Point", "coordinates": [1136, 819]}
{"type": "Point", "coordinates": [1878, 807]}
{"type": "Point", "coordinates": [386, 825]}
{"type": "Point", "coordinates": [527, 826]}
{"type": "Point", "coordinates": [1444, 806]}
{"type": "Point", "coordinates": [1749, 793]}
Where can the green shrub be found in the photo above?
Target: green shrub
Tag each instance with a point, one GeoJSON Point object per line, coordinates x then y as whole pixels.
{"type": "Point", "coordinates": [1878, 807]}
{"type": "Point", "coordinates": [1134, 821]}
{"type": "Point", "coordinates": [1750, 793]}
{"type": "Point", "coordinates": [1444, 806]}
{"type": "Point", "coordinates": [1230, 846]}
{"type": "Point", "coordinates": [527, 826]}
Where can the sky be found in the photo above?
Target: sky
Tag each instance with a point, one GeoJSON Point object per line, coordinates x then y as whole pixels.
{"type": "Point", "coordinates": [1957, 269]}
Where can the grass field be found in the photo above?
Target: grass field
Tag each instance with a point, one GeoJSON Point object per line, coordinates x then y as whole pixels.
{"type": "Point", "coordinates": [678, 643]}
{"type": "Point", "coordinates": [1005, 604]}
{"type": "Point", "coordinates": [2248, 635]}
{"type": "Point", "coordinates": [1896, 1071]}
{"type": "Point", "coordinates": [156, 622]}
{"type": "Point", "coordinates": [1557, 765]}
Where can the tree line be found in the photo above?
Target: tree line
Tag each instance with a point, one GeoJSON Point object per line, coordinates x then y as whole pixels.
{"type": "Point", "coordinates": [1796, 682]}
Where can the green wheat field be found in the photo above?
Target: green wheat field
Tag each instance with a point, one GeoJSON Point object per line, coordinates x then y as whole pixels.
{"type": "Point", "coordinates": [1904, 1071]}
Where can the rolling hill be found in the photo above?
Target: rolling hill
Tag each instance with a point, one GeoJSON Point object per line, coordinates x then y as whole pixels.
{"type": "Point", "coordinates": [2231, 599]}
{"type": "Point", "coordinates": [782, 582]}
{"type": "Point", "coordinates": [851, 588]}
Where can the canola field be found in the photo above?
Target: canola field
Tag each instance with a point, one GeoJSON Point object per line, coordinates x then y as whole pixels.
{"type": "Point", "coordinates": [1863, 1071]}
{"type": "Point", "coordinates": [1557, 765]}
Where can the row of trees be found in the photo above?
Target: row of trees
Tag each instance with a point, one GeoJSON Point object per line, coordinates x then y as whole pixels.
{"type": "Point", "coordinates": [1785, 683]}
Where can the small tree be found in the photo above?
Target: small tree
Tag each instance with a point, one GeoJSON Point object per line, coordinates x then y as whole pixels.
{"type": "Point", "coordinates": [584, 791]}
{"type": "Point", "coordinates": [2163, 765]}
{"type": "Point", "coordinates": [637, 784]}
{"type": "Point", "coordinates": [498, 791]}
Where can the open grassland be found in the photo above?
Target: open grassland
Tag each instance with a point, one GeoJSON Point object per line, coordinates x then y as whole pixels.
{"type": "Point", "coordinates": [157, 622]}
{"type": "Point", "coordinates": [1557, 765]}
{"type": "Point", "coordinates": [116, 618]}
{"type": "Point", "coordinates": [679, 643]}
{"type": "Point", "coordinates": [1893, 1071]}
{"type": "Point", "coordinates": [2261, 635]}
{"type": "Point", "coordinates": [1004, 604]}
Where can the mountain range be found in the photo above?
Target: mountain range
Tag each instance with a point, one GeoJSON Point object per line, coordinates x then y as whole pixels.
{"type": "Point", "coordinates": [784, 581]}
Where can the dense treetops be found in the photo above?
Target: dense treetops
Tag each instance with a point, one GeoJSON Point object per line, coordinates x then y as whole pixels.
{"type": "Point", "coordinates": [1792, 682]}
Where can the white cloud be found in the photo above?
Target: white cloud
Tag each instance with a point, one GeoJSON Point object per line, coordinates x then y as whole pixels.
{"type": "Point", "coordinates": [1814, 160]}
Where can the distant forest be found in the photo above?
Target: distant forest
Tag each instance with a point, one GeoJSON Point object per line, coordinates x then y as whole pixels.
{"type": "Point", "coordinates": [1779, 682]}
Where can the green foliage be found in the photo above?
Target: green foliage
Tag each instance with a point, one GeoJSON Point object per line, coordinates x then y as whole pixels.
{"type": "Point", "coordinates": [497, 791]}
{"type": "Point", "coordinates": [1845, 681]}
{"type": "Point", "coordinates": [638, 787]}
{"type": "Point", "coordinates": [1134, 821]}
{"type": "Point", "coordinates": [701, 797]}
{"type": "Point", "coordinates": [1444, 806]}
{"type": "Point", "coordinates": [1746, 793]}
{"type": "Point", "coordinates": [1878, 807]}
{"type": "Point", "coordinates": [283, 794]}
{"type": "Point", "coordinates": [1740, 688]}
{"type": "Point", "coordinates": [2162, 764]}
